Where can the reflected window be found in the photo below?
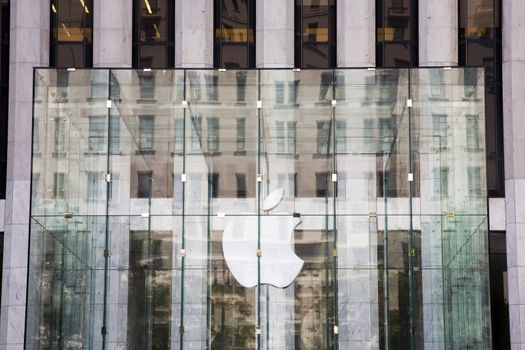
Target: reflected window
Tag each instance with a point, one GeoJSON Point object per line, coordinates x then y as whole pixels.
{"type": "Point", "coordinates": [213, 134]}
{"type": "Point", "coordinates": [340, 135]}
{"type": "Point", "coordinates": [59, 185]}
{"type": "Point", "coordinates": [439, 131]}
{"type": "Point", "coordinates": [396, 33]}
{"type": "Point", "coordinates": [114, 134]}
{"type": "Point", "coordinates": [144, 183]}
{"type": "Point", "coordinates": [315, 33]}
{"type": "Point", "coordinates": [285, 135]}
{"type": "Point", "coordinates": [241, 134]}
{"type": "Point", "coordinates": [323, 136]}
{"type": "Point", "coordinates": [480, 44]}
{"type": "Point", "coordinates": [385, 136]}
{"type": "Point", "coordinates": [99, 84]}
{"type": "Point", "coordinates": [234, 42]}
{"type": "Point", "coordinates": [196, 134]}
{"type": "Point", "coordinates": [153, 33]}
{"type": "Point", "coordinates": [241, 86]}
{"type": "Point", "coordinates": [97, 129]}
{"type": "Point", "coordinates": [60, 136]}
{"type": "Point", "coordinates": [437, 80]}
{"type": "Point", "coordinates": [441, 181]}
{"type": "Point", "coordinates": [147, 85]}
{"type": "Point", "coordinates": [146, 132]}
{"type": "Point", "coordinates": [179, 135]}
{"type": "Point", "coordinates": [472, 131]}
{"type": "Point", "coordinates": [474, 180]}
{"type": "Point", "coordinates": [71, 33]}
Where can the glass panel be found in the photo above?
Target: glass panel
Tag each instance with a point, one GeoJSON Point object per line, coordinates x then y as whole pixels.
{"type": "Point", "coordinates": [254, 209]}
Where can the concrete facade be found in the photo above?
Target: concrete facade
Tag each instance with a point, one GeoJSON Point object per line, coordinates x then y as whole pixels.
{"type": "Point", "coordinates": [438, 33]}
{"type": "Point", "coordinates": [274, 48]}
{"type": "Point", "coordinates": [29, 48]}
{"type": "Point", "coordinates": [514, 145]}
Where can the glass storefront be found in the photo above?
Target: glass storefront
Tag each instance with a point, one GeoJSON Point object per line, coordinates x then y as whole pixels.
{"type": "Point", "coordinates": [259, 209]}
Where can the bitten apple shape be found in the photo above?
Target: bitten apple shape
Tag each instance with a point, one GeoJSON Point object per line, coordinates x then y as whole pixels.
{"type": "Point", "coordinates": [279, 263]}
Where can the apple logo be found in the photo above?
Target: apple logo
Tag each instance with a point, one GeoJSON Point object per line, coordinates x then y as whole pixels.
{"type": "Point", "coordinates": [279, 263]}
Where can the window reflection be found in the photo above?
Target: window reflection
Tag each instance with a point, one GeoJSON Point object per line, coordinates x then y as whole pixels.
{"type": "Point", "coordinates": [396, 33]}
{"type": "Point", "coordinates": [480, 45]}
{"type": "Point", "coordinates": [234, 45]}
{"type": "Point", "coordinates": [315, 33]}
{"type": "Point", "coordinates": [71, 33]}
{"type": "Point", "coordinates": [153, 33]}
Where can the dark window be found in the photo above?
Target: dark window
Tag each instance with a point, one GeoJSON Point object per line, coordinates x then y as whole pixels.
{"type": "Point", "coordinates": [315, 34]}
{"type": "Point", "coordinates": [480, 46]}
{"type": "Point", "coordinates": [71, 33]}
{"type": "Point", "coordinates": [321, 184]}
{"type": "Point", "coordinates": [499, 296]}
{"type": "Point", "coordinates": [149, 290]}
{"type": "Point", "coordinates": [396, 33]}
{"type": "Point", "coordinates": [241, 185]}
{"type": "Point", "coordinates": [4, 91]}
{"type": "Point", "coordinates": [144, 184]}
{"type": "Point", "coordinates": [153, 33]}
{"type": "Point", "coordinates": [234, 22]}
{"type": "Point", "coordinates": [214, 184]}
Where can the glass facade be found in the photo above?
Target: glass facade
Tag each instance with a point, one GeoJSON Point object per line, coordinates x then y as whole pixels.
{"type": "Point", "coordinates": [234, 44]}
{"type": "Point", "coordinates": [4, 92]}
{"type": "Point", "coordinates": [397, 33]}
{"type": "Point", "coordinates": [71, 42]}
{"type": "Point", "coordinates": [337, 208]}
{"type": "Point", "coordinates": [480, 46]}
{"type": "Point", "coordinates": [153, 34]}
{"type": "Point", "coordinates": [315, 34]}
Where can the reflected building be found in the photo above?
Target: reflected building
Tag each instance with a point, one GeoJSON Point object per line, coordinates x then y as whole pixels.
{"type": "Point", "coordinates": [388, 186]}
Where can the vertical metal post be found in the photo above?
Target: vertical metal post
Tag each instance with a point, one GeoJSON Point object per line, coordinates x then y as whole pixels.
{"type": "Point", "coordinates": [411, 249]}
{"type": "Point", "coordinates": [258, 195]}
{"type": "Point", "coordinates": [183, 241]}
{"type": "Point", "coordinates": [386, 282]}
{"type": "Point", "coordinates": [106, 229]}
{"type": "Point", "coordinates": [335, 325]}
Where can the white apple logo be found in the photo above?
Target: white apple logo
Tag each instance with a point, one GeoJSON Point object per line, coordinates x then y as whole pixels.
{"type": "Point", "coordinates": [279, 264]}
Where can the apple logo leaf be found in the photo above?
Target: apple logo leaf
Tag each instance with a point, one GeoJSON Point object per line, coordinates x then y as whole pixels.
{"type": "Point", "coordinates": [273, 199]}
